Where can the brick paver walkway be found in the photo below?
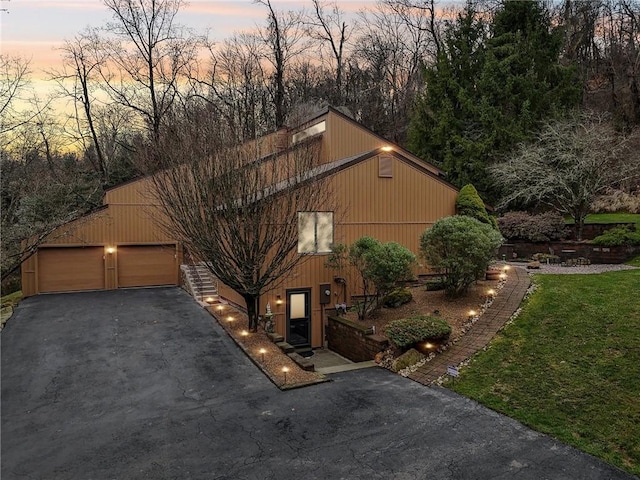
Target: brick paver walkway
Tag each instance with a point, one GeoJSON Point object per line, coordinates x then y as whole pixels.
{"type": "Point", "coordinates": [481, 333]}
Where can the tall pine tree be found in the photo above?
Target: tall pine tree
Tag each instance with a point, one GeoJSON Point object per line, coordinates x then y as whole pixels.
{"type": "Point", "coordinates": [489, 89]}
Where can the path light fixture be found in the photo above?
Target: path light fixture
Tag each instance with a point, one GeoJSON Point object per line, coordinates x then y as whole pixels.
{"type": "Point", "coordinates": [209, 300]}
{"type": "Point", "coordinates": [491, 292]}
{"type": "Point", "coordinates": [472, 313]}
{"type": "Point", "coordinates": [244, 333]}
{"type": "Point", "coordinates": [506, 268]}
{"type": "Point", "coordinates": [262, 351]}
{"type": "Point", "coordinates": [284, 371]}
{"type": "Point", "coordinates": [220, 308]}
{"type": "Point", "coordinates": [503, 276]}
{"type": "Point", "coordinates": [230, 318]}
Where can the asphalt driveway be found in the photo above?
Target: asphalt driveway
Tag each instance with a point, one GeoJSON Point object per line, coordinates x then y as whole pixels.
{"type": "Point", "coordinates": [135, 384]}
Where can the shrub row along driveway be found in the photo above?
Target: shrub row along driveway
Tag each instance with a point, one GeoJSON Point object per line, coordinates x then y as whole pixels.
{"type": "Point", "coordinates": [142, 384]}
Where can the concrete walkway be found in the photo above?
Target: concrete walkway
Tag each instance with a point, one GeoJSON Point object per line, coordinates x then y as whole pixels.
{"type": "Point", "coordinates": [492, 320]}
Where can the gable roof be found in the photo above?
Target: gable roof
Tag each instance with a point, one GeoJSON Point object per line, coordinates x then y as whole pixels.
{"type": "Point", "coordinates": [404, 152]}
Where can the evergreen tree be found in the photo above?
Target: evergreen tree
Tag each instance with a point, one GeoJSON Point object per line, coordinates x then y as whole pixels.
{"type": "Point", "coordinates": [490, 88]}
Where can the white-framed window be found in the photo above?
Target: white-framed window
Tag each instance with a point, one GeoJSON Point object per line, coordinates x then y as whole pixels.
{"type": "Point", "coordinates": [315, 232]}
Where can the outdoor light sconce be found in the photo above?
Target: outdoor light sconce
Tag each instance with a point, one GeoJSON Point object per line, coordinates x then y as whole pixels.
{"type": "Point", "coordinates": [386, 148]}
{"type": "Point", "coordinates": [111, 250]}
{"type": "Point", "coordinates": [278, 300]}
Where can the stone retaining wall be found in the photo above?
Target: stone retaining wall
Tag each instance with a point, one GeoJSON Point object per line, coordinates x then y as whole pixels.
{"type": "Point", "coordinates": [354, 341]}
{"type": "Point", "coordinates": [569, 250]}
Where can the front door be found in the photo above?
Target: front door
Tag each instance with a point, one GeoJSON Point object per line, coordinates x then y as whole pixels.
{"type": "Point", "coordinates": [299, 317]}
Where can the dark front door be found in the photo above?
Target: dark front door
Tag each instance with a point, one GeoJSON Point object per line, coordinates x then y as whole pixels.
{"type": "Point", "coordinates": [299, 317]}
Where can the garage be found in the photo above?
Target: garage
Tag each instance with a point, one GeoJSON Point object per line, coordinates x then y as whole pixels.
{"type": "Point", "coordinates": [147, 265]}
{"type": "Point", "coordinates": [70, 269]}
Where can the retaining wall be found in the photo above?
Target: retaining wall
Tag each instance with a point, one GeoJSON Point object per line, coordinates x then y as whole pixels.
{"type": "Point", "coordinates": [354, 341]}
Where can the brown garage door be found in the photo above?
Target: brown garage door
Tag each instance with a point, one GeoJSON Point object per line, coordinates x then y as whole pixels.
{"type": "Point", "coordinates": [69, 269]}
{"type": "Point", "coordinates": [147, 265]}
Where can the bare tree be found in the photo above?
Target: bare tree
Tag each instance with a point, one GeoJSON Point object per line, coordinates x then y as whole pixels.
{"type": "Point", "coordinates": [141, 57]}
{"type": "Point", "coordinates": [236, 205]}
{"type": "Point", "coordinates": [327, 24]}
{"type": "Point", "coordinates": [283, 38]}
{"type": "Point", "coordinates": [16, 96]}
{"type": "Point", "coordinates": [569, 164]}
{"type": "Point", "coordinates": [386, 69]}
{"type": "Point", "coordinates": [42, 187]}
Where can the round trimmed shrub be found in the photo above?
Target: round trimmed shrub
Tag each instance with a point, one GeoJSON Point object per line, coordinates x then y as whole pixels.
{"type": "Point", "coordinates": [462, 248]}
{"type": "Point", "coordinates": [408, 332]}
{"type": "Point", "coordinates": [397, 298]}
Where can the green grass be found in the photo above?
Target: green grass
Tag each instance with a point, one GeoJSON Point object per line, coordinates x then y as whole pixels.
{"type": "Point", "coordinates": [635, 262]}
{"type": "Point", "coordinates": [12, 299]}
{"type": "Point", "coordinates": [609, 218]}
{"type": "Point", "coordinates": [569, 365]}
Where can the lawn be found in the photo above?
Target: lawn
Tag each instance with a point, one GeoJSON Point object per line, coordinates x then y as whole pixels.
{"type": "Point", "coordinates": [610, 218]}
{"type": "Point", "coordinates": [6, 309]}
{"type": "Point", "coordinates": [569, 365]}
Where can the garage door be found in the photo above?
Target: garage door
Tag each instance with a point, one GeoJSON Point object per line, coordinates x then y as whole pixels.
{"type": "Point", "coordinates": [69, 269]}
{"type": "Point", "coordinates": [148, 265]}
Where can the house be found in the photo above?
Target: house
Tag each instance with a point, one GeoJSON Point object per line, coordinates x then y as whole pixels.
{"type": "Point", "coordinates": [382, 190]}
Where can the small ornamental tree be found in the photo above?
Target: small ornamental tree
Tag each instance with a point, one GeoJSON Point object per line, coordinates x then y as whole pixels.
{"type": "Point", "coordinates": [469, 203]}
{"type": "Point", "coordinates": [380, 267]}
{"type": "Point", "coordinates": [461, 247]}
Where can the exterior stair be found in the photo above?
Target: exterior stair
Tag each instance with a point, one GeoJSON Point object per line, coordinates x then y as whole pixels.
{"type": "Point", "coordinates": [201, 283]}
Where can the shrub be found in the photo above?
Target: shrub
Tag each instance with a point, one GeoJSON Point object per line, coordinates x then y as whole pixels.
{"type": "Point", "coordinates": [543, 227]}
{"type": "Point", "coordinates": [408, 358]}
{"type": "Point", "coordinates": [389, 265]}
{"type": "Point", "coordinates": [617, 201]}
{"type": "Point", "coordinates": [397, 298]}
{"type": "Point", "coordinates": [407, 332]}
{"type": "Point", "coordinates": [380, 268]}
{"type": "Point", "coordinates": [435, 285]}
{"type": "Point", "coordinates": [462, 248]}
{"type": "Point", "coordinates": [618, 236]}
{"type": "Point", "coordinates": [470, 204]}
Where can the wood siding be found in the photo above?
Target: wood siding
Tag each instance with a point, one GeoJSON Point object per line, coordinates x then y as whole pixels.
{"type": "Point", "coordinates": [397, 208]}
{"type": "Point", "coordinates": [389, 209]}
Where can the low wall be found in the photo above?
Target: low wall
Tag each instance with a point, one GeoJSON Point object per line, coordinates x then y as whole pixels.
{"type": "Point", "coordinates": [354, 341]}
{"type": "Point", "coordinates": [593, 230]}
{"type": "Point", "coordinates": [568, 250]}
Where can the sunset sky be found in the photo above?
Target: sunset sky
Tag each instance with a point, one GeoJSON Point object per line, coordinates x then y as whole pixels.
{"type": "Point", "coordinates": [33, 29]}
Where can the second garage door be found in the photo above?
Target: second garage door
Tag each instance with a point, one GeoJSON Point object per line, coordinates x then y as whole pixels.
{"type": "Point", "coordinates": [147, 265]}
{"type": "Point", "coordinates": [70, 269]}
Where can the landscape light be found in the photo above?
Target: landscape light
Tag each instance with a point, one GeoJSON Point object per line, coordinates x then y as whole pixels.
{"type": "Point", "coordinates": [244, 333]}
{"type": "Point", "coordinates": [472, 313]}
{"type": "Point", "coordinates": [285, 370]}
{"type": "Point", "coordinates": [491, 292]}
{"type": "Point", "coordinates": [262, 351]}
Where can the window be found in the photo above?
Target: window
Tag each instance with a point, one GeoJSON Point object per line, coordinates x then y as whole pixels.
{"type": "Point", "coordinates": [315, 232]}
{"type": "Point", "coordinates": [309, 132]}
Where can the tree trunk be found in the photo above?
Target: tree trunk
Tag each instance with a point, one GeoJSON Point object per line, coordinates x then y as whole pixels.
{"type": "Point", "coordinates": [252, 310]}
